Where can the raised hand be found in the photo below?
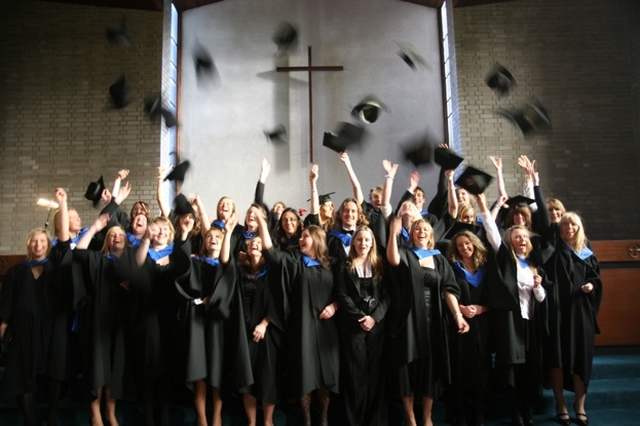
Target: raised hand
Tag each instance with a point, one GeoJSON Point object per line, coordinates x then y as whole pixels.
{"type": "Point", "coordinates": [61, 196]}
{"type": "Point", "coordinates": [122, 174]}
{"type": "Point", "coordinates": [389, 169]}
{"type": "Point", "coordinates": [313, 173]}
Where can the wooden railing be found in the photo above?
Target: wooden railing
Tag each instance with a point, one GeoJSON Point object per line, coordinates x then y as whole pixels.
{"type": "Point", "coordinates": [620, 271]}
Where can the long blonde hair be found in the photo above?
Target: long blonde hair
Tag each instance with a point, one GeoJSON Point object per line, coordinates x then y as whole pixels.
{"type": "Point", "coordinates": [105, 246]}
{"type": "Point", "coordinates": [580, 241]}
{"type": "Point", "coordinates": [431, 243]}
{"type": "Point", "coordinates": [479, 256]}
{"type": "Point", "coordinates": [32, 234]}
{"type": "Point", "coordinates": [377, 266]}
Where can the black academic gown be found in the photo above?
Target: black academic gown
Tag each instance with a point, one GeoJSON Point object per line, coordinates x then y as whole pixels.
{"type": "Point", "coordinates": [573, 313]}
{"type": "Point", "coordinates": [471, 352]}
{"type": "Point", "coordinates": [103, 323]}
{"type": "Point", "coordinates": [362, 375]}
{"type": "Point", "coordinates": [153, 305]}
{"type": "Point", "coordinates": [262, 297]}
{"type": "Point", "coordinates": [36, 313]}
{"type": "Point", "coordinates": [312, 346]}
{"type": "Point", "coordinates": [418, 347]}
{"type": "Point", "coordinates": [517, 342]}
{"type": "Point", "coordinates": [215, 349]}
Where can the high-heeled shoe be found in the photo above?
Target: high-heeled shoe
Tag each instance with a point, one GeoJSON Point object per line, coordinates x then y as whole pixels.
{"type": "Point", "coordinates": [563, 418]}
{"type": "Point", "coordinates": [581, 418]}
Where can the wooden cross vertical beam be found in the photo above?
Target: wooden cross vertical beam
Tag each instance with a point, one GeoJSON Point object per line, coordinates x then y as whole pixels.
{"type": "Point", "coordinates": [309, 69]}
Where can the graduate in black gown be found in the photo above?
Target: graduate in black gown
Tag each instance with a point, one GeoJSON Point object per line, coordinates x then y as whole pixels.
{"type": "Point", "coordinates": [349, 216]}
{"type": "Point", "coordinates": [154, 307]}
{"type": "Point", "coordinates": [361, 289]}
{"type": "Point", "coordinates": [33, 324]}
{"type": "Point", "coordinates": [519, 310]}
{"type": "Point", "coordinates": [288, 229]}
{"type": "Point", "coordinates": [101, 290]}
{"type": "Point", "coordinates": [423, 291]}
{"type": "Point", "coordinates": [322, 210]}
{"type": "Point", "coordinates": [574, 301]}
{"type": "Point", "coordinates": [312, 346]}
{"type": "Point", "coordinates": [471, 352]}
{"type": "Point", "coordinates": [259, 285]}
{"type": "Point", "coordinates": [216, 354]}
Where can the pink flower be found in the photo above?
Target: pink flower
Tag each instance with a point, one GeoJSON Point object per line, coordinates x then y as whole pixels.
{"type": "Point", "coordinates": [302, 212]}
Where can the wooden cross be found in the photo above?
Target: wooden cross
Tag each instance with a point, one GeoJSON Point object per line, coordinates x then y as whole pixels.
{"type": "Point", "coordinates": [310, 68]}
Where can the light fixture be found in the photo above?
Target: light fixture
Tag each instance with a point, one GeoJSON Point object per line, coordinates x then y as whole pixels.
{"type": "Point", "coordinates": [48, 204]}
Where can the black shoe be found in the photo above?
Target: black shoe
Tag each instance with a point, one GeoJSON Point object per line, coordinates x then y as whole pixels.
{"type": "Point", "coordinates": [582, 419]}
{"type": "Point", "coordinates": [563, 419]}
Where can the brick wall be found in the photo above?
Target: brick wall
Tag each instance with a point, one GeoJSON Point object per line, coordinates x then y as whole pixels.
{"type": "Point", "coordinates": [56, 125]}
{"type": "Point", "coordinates": [580, 58]}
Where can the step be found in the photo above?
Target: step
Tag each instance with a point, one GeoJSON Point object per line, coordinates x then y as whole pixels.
{"type": "Point", "coordinates": [616, 367]}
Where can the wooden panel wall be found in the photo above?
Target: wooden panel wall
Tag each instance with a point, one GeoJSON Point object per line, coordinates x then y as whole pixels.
{"type": "Point", "coordinates": [620, 272]}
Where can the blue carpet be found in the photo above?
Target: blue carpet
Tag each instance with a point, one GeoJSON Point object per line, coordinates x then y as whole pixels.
{"type": "Point", "coordinates": [613, 399]}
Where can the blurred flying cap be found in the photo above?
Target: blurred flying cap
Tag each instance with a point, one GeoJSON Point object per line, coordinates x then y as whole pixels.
{"type": "Point", "coordinates": [419, 154]}
{"type": "Point", "coordinates": [154, 110]}
{"type": "Point", "coordinates": [409, 55]}
{"type": "Point", "coordinates": [94, 191]}
{"type": "Point", "coordinates": [277, 135]}
{"type": "Point", "coordinates": [178, 172]}
{"type": "Point", "coordinates": [368, 110]}
{"type": "Point", "coordinates": [447, 158]}
{"type": "Point", "coordinates": [183, 206]}
{"type": "Point", "coordinates": [120, 92]}
{"type": "Point", "coordinates": [519, 199]}
{"type": "Point", "coordinates": [325, 197]}
{"type": "Point", "coordinates": [474, 181]}
{"type": "Point", "coordinates": [500, 80]}
{"type": "Point", "coordinates": [458, 227]}
{"type": "Point", "coordinates": [119, 35]}
{"type": "Point", "coordinates": [203, 62]}
{"type": "Point", "coordinates": [348, 135]}
{"type": "Point", "coordinates": [285, 37]}
{"type": "Point", "coordinates": [532, 119]}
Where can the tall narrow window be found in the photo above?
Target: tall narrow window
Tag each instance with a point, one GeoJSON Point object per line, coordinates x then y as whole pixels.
{"type": "Point", "coordinates": [450, 75]}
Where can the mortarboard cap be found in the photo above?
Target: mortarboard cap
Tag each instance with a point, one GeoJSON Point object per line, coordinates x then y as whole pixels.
{"type": "Point", "coordinates": [119, 35]}
{"type": "Point", "coordinates": [285, 37]}
{"type": "Point", "coordinates": [368, 110]}
{"type": "Point", "coordinates": [323, 198]}
{"type": "Point", "coordinates": [277, 135]}
{"type": "Point", "coordinates": [120, 92]}
{"type": "Point", "coordinates": [410, 56]}
{"type": "Point", "coordinates": [178, 172]}
{"type": "Point", "coordinates": [532, 119]}
{"type": "Point", "coordinates": [347, 136]}
{"type": "Point", "coordinates": [420, 154]}
{"type": "Point", "coordinates": [500, 80]}
{"type": "Point", "coordinates": [519, 199]}
{"type": "Point", "coordinates": [154, 109]}
{"type": "Point", "coordinates": [183, 206]}
{"type": "Point", "coordinates": [447, 158]}
{"type": "Point", "coordinates": [203, 62]}
{"type": "Point", "coordinates": [458, 227]}
{"type": "Point", "coordinates": [94, 191]}
{"type": "Point", "coordinates": [475, 181]}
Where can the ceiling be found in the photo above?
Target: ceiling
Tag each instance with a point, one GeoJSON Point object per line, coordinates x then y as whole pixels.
{"type": "Point", "coordinates": [156, 5]}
